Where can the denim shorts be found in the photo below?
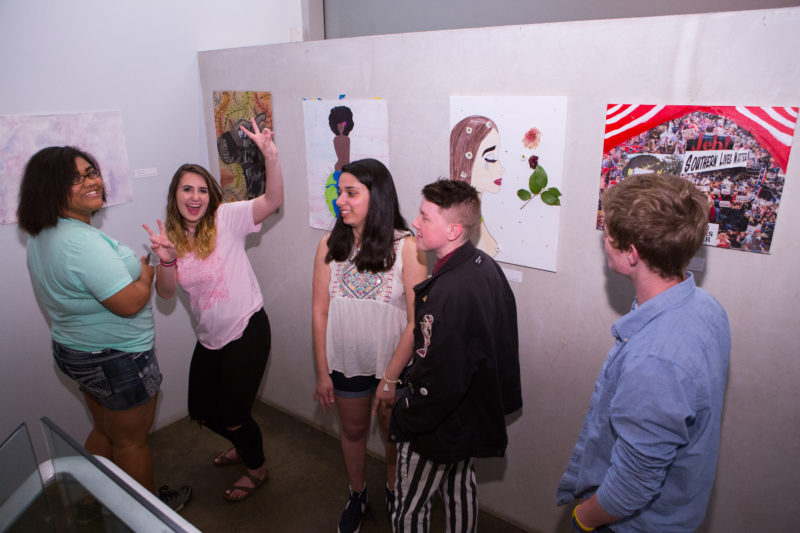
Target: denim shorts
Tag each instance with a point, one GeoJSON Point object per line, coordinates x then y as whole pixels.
{"type": "Point", "coordinates": [353, 387]}
{"type": "Point", "coordinates": [118, 380]}
{"type": "Point", "coordinates": [357, 386]}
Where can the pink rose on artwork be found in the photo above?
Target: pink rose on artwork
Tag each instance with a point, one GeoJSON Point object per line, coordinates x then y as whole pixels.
{"type": "Point", "coordinates": [532, 138]}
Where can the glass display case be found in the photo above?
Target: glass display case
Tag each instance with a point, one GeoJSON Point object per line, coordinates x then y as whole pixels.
{"type": "Point", "coordinates": [74, 490]}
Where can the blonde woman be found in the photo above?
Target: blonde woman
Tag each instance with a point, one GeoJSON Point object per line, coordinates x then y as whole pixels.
{"type": "Point", "coordinates": [202, 249]}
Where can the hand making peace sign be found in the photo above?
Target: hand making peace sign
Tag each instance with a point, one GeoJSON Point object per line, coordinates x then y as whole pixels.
{"type": "Point", "coordinates": [160, 243]}
{"type": "Point", "coordinates": [263, 139]}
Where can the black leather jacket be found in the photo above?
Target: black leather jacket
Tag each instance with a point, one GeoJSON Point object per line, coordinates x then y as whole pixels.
{"type": "Point", "coordinates": [464, 375]}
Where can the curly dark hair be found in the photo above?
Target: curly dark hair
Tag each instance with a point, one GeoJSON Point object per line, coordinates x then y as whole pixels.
{"type": "Point", "coordinates": [46, 186]}
{"type": "Point", "coordinates": [338, 115]}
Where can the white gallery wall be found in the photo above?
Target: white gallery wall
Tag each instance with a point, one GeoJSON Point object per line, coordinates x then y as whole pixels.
{"type": "Point", "coordinates": [744, 58]}
{"type": "Point", "coordinates": [139, 58]}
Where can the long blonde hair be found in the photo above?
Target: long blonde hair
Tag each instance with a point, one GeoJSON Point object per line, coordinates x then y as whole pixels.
{"type": "Point", "coordinates": [205, 233]}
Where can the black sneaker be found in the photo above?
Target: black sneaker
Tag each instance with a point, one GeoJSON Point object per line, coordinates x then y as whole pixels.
{"type": "Point", "coordinates": [350, 522]}
{"type": "Point", "coordinates": [389, 501]}
{"type": "Point", "coordinates": [175, 498]}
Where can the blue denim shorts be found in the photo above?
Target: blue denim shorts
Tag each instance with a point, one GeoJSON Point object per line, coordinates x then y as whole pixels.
{"type": "Point", "coordinates": [358, 386]}
{"type": "Point", "coordinates": [354, 387]}
{"type": "Point", "coordinates": [118, 380]}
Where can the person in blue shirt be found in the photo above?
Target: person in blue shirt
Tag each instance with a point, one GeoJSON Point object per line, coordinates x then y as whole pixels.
{"type": "Point", "coordinates": [646, 455]}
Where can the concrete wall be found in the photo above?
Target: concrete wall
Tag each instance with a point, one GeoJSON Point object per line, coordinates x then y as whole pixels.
{"type": "Point", "coordinates": [353, 18]}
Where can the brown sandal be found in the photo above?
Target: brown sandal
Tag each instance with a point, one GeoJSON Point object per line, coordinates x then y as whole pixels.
{"type": "Point", "coordinates": [247, 490]}
{"type": "Point", "coordinates": [223, 460]}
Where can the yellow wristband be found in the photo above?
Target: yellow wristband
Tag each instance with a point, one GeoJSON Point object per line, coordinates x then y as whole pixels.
{"type": "Point", "coordinates": [577, 522]}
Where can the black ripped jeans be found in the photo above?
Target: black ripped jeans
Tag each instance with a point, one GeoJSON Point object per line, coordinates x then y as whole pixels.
{"type": "Point", "coordinates": [223, 385]}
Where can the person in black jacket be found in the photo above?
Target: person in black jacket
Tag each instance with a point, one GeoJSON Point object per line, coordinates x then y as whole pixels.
{"type": "Point", "coordinates": [464, 376]}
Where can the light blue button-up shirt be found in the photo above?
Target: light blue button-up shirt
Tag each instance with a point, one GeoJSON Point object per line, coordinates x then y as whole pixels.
{"type": "Point", "coordinates": [649, 442]}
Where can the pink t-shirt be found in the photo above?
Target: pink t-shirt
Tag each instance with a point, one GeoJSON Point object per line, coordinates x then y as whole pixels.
{"type": "Point", "coordinates": [223, 290]}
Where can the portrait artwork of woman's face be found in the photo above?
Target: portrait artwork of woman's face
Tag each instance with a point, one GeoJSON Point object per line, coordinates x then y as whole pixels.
{"type": "Point", "coordinates": [487, 171]}
{"type": "Point", "coordinates": [475, 153]}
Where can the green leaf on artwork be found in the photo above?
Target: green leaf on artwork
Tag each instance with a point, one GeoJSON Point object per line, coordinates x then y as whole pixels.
{"type": "Point", "coordinates": [554, 191]}
{"type": "Point", "coordinates": [551, 198]}
{"type": "Point", "coordinates": [538, 180]}
{"type": "Point", "coordinates": [524, 194]}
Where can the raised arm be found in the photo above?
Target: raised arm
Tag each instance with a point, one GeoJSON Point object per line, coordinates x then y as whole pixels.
{"type": "Point", "coordinates": [320, 302]}
{"type": "Point", "coordinates": [272, 199]}
{"type": "Point", "coordinates": [134, 296]}
{"type": "Point", "coordinates": [167, 273]}
{"type": "Point", "coordinates": [415, 270]}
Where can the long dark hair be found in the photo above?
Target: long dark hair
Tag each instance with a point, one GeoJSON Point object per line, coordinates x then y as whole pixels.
{"type": "Point", "coordinates": [376, 253]}
{"type": "Point", "coordinates": [46, 186]}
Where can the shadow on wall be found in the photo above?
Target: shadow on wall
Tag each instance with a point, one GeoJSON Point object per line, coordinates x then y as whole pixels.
{"type": "Point", "coordinates": [494, 468]}
{"type": "Point", "coordinates": [619, 289]}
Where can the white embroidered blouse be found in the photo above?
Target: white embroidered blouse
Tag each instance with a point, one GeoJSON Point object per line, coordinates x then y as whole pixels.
{"type": "Point", "coordinates": [366, 316]}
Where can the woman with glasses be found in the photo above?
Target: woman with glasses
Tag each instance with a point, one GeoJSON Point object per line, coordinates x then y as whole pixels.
{"type": "Point", "coordinates": [97, 295]}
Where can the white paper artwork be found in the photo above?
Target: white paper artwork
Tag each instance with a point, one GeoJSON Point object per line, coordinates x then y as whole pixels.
{"type": "Point", "coordinates": [338, 132]}
{"type": "Point", "coordinates": [492, 141]}
{"type": "Point", "coordinates": [98, 133]}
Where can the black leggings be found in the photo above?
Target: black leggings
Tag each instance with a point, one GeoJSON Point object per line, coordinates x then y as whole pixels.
{"type": "Point", "coordinates": [223, 385]}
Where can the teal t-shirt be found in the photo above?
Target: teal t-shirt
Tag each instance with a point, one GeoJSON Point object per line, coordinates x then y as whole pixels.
{"type": "Point", "coordinates": [74, 267]}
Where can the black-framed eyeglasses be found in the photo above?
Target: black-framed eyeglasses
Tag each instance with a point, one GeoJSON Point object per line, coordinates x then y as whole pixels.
{"type": "Point", "coordinates": [93, 174]}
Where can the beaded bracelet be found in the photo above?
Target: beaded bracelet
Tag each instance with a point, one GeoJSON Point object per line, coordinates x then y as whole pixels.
{"type": "Point", "coordinates": [392, 381]}
{"type": "Point", "coordinates": [388, 381]}
{"type": "Point", "coordinates": [168, 264]}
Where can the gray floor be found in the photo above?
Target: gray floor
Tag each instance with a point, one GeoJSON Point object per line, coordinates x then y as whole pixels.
{"type": "Point", "coordinates": [307, 489]}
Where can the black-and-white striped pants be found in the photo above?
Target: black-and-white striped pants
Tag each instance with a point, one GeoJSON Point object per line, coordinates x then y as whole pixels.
{"type": "Point", "coordinates": [419, 479]}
